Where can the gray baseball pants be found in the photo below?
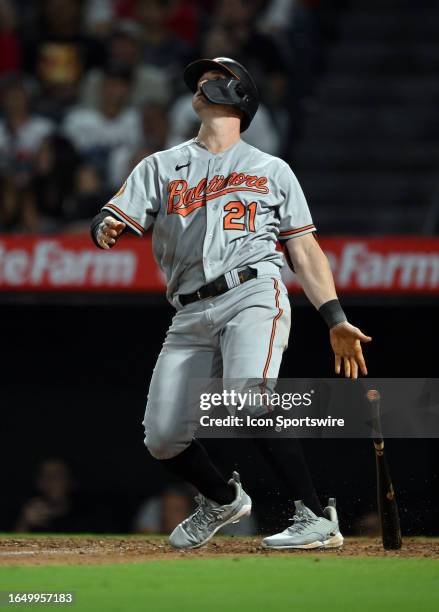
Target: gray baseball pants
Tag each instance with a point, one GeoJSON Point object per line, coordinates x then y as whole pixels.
{"type": "Point", "coordinates": [240, 334]}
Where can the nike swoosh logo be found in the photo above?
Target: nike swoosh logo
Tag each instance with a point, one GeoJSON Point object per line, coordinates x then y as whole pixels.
{"type": "Point", "coordinates": [177, 167]}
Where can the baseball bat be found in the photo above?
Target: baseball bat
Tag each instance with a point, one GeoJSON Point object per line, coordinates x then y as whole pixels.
{"type": "Point", "coordinates": [387, 506]}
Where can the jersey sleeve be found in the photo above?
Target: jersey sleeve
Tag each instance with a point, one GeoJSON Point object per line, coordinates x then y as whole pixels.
{"type": "Point", "coordinates": [294, 214]}
{"type": "Point", "coordinates": [138, 200]}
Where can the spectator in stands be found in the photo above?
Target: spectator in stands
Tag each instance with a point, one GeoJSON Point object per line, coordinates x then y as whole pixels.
{"type": "Point", "coordinates": [52, 196]}
{"type": "Point", "coordinates": [155, 126]}
{"type": "Point", "coordinates": [256, 50]}
{"type": "Point", "coordinates": [21, 132]}
{"type": "Point", "coordinates": [160, 45]}
{"type": "Point", "coordinates": [90, 190]}
{"type": "Point", "coordinates": [99, 17]}
{"type": "Point", "coordinates": [10, 50]}
{"type": "Point", "coordinates": [149, 83]}
{"type": "Point", "coordinates": [184, 20]}
{"type": "Point", "coordinates": [276, 15]}
{"type": "Point", "coordinates": [21, 135]}
{"type": "Point", "coordinates": [99, 133]}
{"type": "Point", "coordinates": [294, 24]}
{"type": "Point", "coordinates": [160, 514]}
{"type": "Point", "coordinates": [54, 507]}
{"type": "Point", "coordinates": [58, 51]}
{"type": "Point", "coordinates": [183, 16]}
{"type": "Point", "coordinates": [154, 137]}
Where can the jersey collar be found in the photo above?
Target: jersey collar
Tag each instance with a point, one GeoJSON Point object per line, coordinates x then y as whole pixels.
{"type": "Point", "coordinates": [219, 155]}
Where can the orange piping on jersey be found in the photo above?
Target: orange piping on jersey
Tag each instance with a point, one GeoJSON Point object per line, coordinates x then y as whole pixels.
{"type": "Point", "coordinates": [273, 331]}
{"type": "Point", "coordinates": [121, 190]}
{"type": "Point", "coordinates": [125, 216]}
{"type": "Point", "coordinates": [296, 231]}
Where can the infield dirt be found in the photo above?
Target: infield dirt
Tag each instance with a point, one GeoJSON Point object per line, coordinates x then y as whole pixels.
{"type": "Point", "coordinates": [87, 550]}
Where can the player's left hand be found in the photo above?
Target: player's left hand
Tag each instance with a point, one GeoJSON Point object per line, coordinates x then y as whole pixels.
{"type": "Point", "coordinates": [346, 344]}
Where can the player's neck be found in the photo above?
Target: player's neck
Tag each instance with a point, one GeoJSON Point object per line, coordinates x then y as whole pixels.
{"type": "Point", "coordinates": [219, 134]}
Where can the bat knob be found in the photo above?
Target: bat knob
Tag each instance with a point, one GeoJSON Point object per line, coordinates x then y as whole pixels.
{"type": "Point", "coordinates": [373, 395]}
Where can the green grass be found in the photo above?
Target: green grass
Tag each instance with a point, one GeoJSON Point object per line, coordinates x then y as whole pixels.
{"type": "Point", "coordinates": [238, 584]}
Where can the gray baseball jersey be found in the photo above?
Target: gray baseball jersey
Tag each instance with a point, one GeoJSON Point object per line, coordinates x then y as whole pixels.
{"type": "Point", "coordinates": [212, 213]}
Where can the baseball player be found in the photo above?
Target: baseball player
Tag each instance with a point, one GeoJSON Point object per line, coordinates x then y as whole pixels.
{"type": "Point", "coordinates": [218, 207]}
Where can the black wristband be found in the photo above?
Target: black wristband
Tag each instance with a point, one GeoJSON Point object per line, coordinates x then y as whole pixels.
{"type": "Point", "coordinates": [96, 221]}
{"type": "Point", "coordinates": [332, 313]}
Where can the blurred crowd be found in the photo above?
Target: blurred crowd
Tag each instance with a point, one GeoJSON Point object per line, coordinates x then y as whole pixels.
{"type": "Point", "coordinates": [90, 87]}
{"type": "Point", "coordinates": [57, 503]}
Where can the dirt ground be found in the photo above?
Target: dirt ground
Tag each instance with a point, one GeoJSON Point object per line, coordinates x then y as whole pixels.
{"type": "Point", "coordinates": [83, 550]}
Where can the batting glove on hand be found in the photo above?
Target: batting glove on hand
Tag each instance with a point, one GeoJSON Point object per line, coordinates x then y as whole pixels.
{"type": "Point", "coordinates": [108, 232]}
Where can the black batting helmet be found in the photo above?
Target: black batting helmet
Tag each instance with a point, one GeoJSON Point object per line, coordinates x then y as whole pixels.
{"type": "Point", "coordinates": [239, 90]}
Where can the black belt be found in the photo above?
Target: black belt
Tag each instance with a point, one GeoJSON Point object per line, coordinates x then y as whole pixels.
{"type": "Point", "coordinates": [216, 287]}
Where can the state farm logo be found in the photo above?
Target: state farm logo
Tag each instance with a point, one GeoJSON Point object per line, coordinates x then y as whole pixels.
{"type": "Point", "coordinates": [49, 263]}
{"type": "Point", "coordinates": [367, 269]}
{"type": "Point", "coordinates": [182, 200]}
{"type": "Point", "coordinates": [358, 267]}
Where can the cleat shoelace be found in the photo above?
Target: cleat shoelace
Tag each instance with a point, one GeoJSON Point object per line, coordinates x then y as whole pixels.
{"type": "Point", "coordinates": [203, 516]}
{"type": "Point", "coordinates": [300, 522]}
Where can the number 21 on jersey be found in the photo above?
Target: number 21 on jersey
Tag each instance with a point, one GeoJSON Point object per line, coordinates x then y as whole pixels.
{"type": "Point", "coordinates": [236, 217]}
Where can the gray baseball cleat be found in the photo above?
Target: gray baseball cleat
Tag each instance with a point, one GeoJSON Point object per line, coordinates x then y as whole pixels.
{"type": "Point", "coordinates": [209, 517]}
{"type": "Point", "coordinates": [309, 530]}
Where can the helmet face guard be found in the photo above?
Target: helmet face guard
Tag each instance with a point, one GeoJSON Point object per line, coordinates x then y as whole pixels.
{"type": "Point", "coordinates": [237, 89]}
{"type": "Point", "coordinates": [222, 91]}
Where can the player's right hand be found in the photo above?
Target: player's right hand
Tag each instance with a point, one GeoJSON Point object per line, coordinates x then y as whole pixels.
{"type": "Point", "coordinates": [346, 343]}
{"type": "Point", "coordinates": [109, 231]}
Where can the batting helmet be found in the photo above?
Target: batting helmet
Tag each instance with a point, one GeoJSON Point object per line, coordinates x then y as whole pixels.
{"type": "Point", "coordinates": [239, 90]}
